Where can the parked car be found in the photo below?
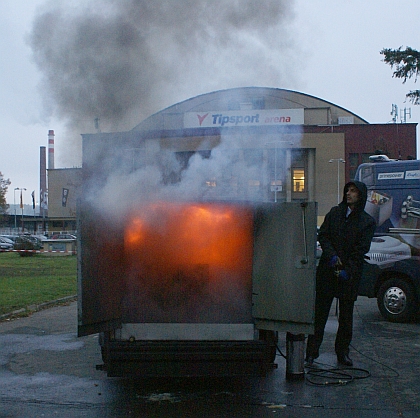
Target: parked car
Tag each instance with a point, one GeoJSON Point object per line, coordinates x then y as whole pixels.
{"type": "Point", "coordinates": [40, 237]}
{"type": "Point", "coordinates": [63, 236]}
{"type": "Point", "coordinates": [5, 244]}
{"type": "Point", "coordinates": [10, 237]}
{"type": "Point", "coordinates": [27, 245]}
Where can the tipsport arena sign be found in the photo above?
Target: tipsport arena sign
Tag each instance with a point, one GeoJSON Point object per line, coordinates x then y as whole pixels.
{"type": "Point", "coordinates": [234, 118]}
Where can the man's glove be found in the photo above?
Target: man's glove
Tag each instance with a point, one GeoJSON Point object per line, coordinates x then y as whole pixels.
{"type": "Point", "coordinates": [343, 275]}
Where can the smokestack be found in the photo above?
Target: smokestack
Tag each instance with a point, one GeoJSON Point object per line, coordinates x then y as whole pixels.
{"type": "Point", "coordinates": [51, 150]}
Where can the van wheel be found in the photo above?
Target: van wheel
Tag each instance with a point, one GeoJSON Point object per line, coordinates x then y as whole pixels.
{"type": "Point", "coordinates": [397, 300]}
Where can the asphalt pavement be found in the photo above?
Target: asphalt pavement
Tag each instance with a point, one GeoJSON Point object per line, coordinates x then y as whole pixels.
{"type": "Point", "coordinates": [46, 371]}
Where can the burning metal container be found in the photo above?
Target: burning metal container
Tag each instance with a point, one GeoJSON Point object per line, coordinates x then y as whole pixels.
{"type": "Point", "coordinates": [180, 287]}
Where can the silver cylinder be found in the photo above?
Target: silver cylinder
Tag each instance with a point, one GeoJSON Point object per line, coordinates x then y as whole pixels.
{"type": "Point", "coordinates": [295, 356]}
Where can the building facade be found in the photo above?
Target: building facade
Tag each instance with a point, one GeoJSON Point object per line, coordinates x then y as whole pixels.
{"type": "Point", "coordinates": [283, 146]}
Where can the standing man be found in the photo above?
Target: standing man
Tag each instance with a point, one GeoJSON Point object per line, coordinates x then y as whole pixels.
{"type": "Point", "coordinates": [345, 238]}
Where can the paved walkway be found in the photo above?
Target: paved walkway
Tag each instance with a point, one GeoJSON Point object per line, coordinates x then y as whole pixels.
{"type": "Point", "coordinates": [45, 370]}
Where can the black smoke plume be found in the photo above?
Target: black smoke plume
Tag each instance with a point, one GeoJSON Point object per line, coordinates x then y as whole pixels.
{"type": "Point", "coordinates": [117, 62]}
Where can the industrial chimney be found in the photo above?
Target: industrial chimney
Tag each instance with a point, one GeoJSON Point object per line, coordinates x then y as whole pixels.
{"type": "Point", "coordinates": [51, 149]}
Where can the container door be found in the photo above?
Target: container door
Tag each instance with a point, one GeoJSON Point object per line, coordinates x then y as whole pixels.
{"type": "Point", "coordinates": [100, 272]}
{"type": "Point", "coordinates": [284, 267]}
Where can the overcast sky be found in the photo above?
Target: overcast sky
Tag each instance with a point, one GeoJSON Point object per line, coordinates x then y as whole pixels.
{"type": "Point", "coordinates": [325, 48]}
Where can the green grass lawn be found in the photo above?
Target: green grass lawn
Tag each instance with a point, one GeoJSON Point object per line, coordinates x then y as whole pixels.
{"type": "Point", "coordinates": [26, 281]}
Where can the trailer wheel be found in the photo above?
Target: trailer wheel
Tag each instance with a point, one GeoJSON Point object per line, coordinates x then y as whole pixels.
{"type": "Point", "coordinates": [397, 300]}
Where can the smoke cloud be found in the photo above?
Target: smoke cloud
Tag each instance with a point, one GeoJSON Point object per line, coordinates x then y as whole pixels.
{"type": "Point", "coordinates": [120, 61]}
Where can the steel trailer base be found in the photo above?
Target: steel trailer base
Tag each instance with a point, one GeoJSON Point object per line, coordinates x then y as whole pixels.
{"type": "Point", "coordinates": [187, 358]}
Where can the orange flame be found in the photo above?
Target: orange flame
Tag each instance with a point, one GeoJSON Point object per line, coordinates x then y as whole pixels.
{"type": "Point", "coordinates": [169, 234]}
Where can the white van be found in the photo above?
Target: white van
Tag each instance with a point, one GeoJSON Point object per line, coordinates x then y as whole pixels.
{"type": "Point", "coordinates": [392, 269]}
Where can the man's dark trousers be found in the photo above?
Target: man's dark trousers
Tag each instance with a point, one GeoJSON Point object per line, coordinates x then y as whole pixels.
{"type": "Point", "coordinates": [327, 289]}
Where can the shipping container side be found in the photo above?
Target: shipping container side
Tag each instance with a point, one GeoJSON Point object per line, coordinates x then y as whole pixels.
{"type": "Point", "coordinates": [168, 282]}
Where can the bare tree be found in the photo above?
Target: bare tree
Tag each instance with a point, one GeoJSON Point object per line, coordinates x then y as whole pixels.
{"type": "Point", "coordinates": [4, 184]}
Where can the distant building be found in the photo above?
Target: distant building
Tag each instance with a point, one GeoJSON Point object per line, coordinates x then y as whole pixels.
{"type": "Point", "coordinates": [63, 189]}
{"type": "Point", "coordinates": [312, 134]}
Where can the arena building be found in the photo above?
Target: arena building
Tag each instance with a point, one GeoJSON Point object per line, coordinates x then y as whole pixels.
{"type": "Point", "coordinates": [283, 145]}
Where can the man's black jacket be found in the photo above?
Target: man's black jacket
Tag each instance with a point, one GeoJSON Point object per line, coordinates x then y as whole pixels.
{"type": "Point", "coordinates": [348, 238]}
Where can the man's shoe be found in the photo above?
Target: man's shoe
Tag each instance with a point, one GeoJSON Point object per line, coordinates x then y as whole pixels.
{"type": "Point", "coordinates": [345, 360]}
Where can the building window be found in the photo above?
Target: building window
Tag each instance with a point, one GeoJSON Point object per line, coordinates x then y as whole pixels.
{"type": "Point", "coordinates": [247, 104]}
{"type": "Point", "coordinates": [298, 171]}
{"type": "Point", "coordinates": [365, 158]}
{"type": "Point", "coordinates": [353, 164]}
{"type": "Point", "coordinates": [353, 159]}
{"type": "Point", "coordinates": [298, 180]}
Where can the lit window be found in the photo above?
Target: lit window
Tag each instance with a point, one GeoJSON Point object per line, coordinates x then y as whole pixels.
{"type": "Point", "coordinates": [298, 180]}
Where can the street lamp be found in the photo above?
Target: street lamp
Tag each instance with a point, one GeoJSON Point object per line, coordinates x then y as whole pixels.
{"type": "Point", "coordinates": [338, 160]}
{"type": "Point", "coordinates": [14, 203]}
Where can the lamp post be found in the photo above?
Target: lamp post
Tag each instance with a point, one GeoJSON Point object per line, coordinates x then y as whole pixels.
{"type": "Point", "coordinates": [338, 160]}
{"type": "Point", "coordinates": [14, 203]}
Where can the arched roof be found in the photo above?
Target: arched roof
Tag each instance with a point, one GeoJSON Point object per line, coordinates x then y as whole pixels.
{"type": "Point", "coordinates": [317, 111]}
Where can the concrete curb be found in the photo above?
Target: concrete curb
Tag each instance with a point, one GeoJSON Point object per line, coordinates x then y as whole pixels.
{"type": "Point", "coordinates": [35, 308]}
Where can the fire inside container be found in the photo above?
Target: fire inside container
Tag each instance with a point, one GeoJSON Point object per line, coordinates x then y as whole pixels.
{"type": "Point", "coordinates": [189, 288]}
{"type": "Point", "coordinates": [188, 262]}
{"type": "Point", "coordinates": [196, 289]}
